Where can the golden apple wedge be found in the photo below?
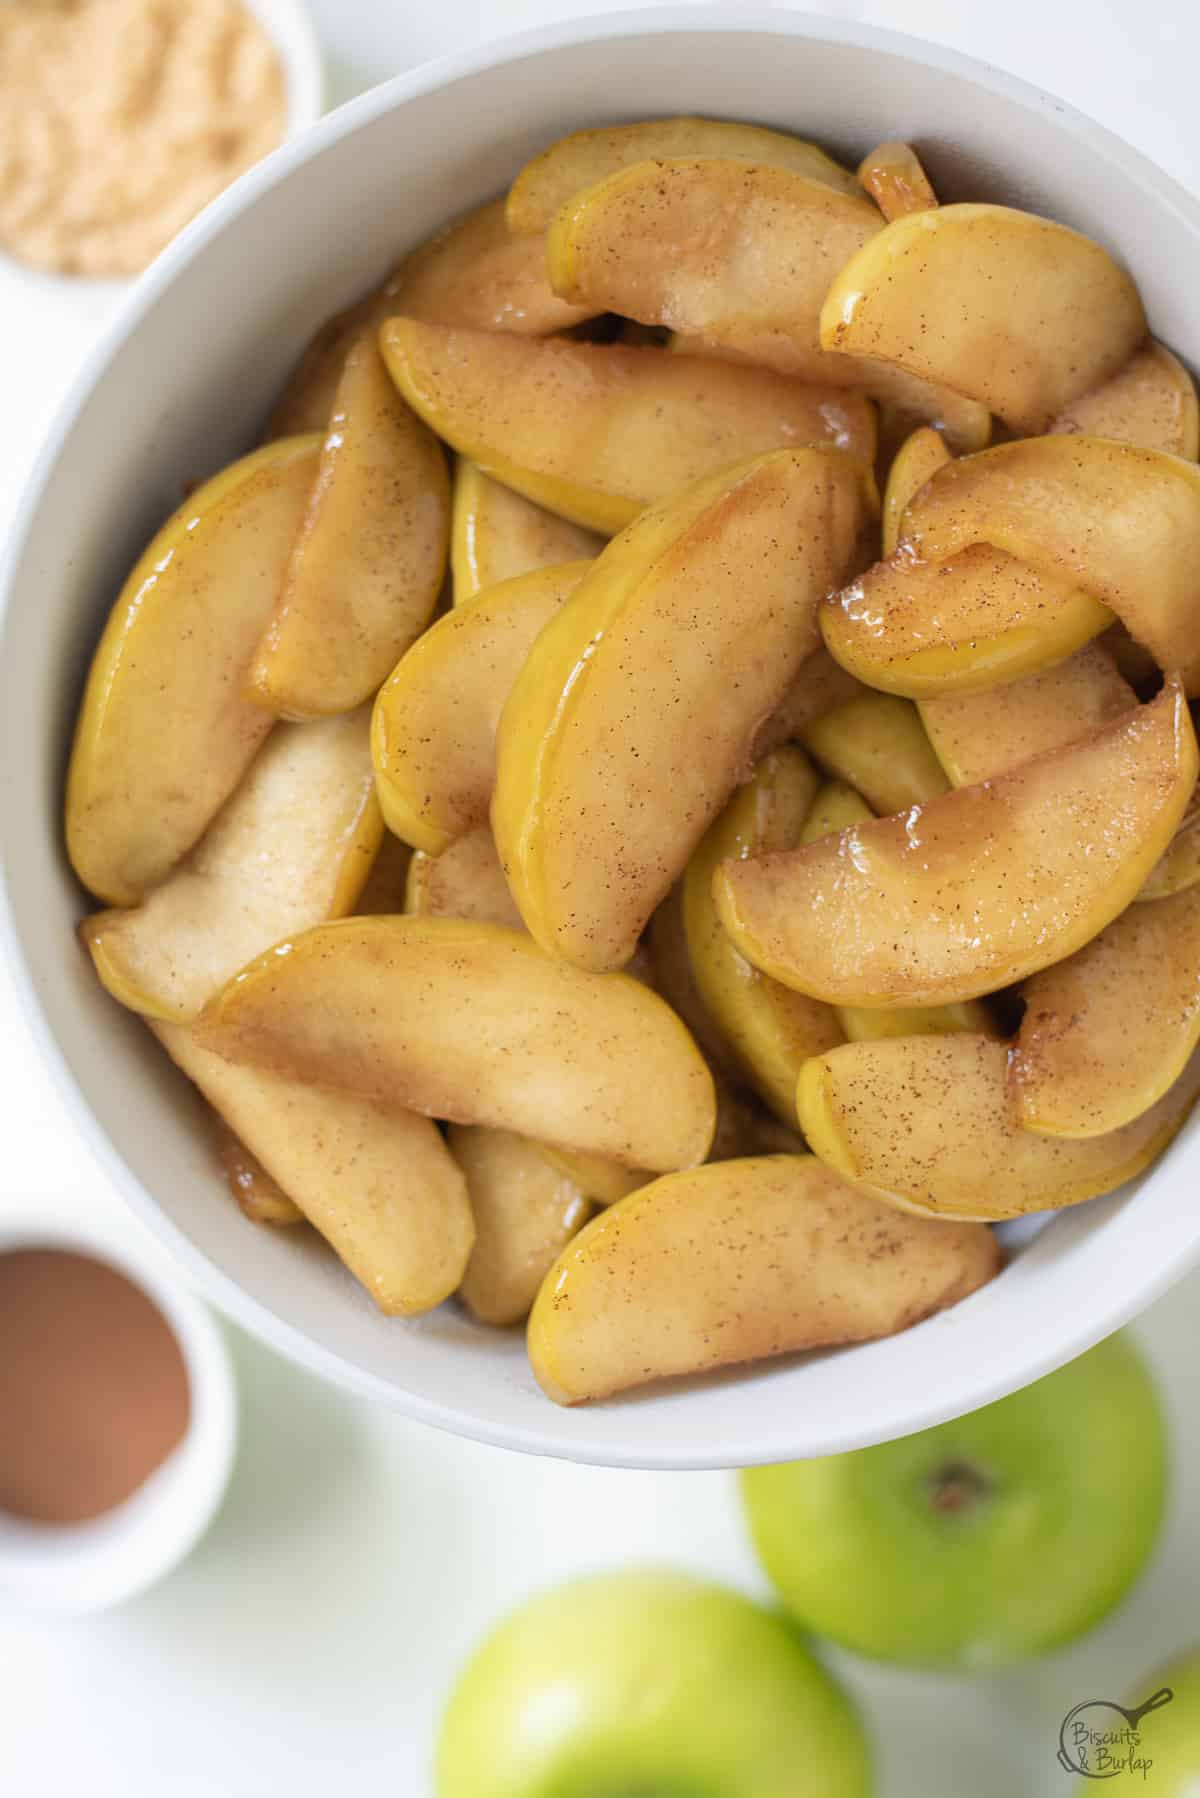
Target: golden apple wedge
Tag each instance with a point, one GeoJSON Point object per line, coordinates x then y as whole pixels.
{"type": "Point", "coordinates": [433, 731]}
{"type": "Point", "coordinates": [1151, 401]}
{"type": "Point", "coordinates": [738, 253]}
{"type": "Point", "coordinates": [1009, 309]}
{"type": "Point", "coordinates": [917, 460]}
{"type": "Point", "coordinates": [673, 979]}
{"type": "Point", "coordinates": [979, 888]}
{"type": "Point", "coordinates": [893, 176]}
{"type": "Point", "coordinates": [602, 1182]}
{"type": "Point", "coordinates": [598, 432]}
{"type": "Point", "coordinates": [923, 628]}
{"type": "Point", "coordinates": [369, 558]}
{"type": "Point", "coordinates": [1119, 522]}
{"type": "Point", "coordinates": [473, 1023]}
{"type": "Point", "coordinates": [1109, 1030]}
{"type": "Point", "coordinates": [495, 535]}
{"type": "Point", "coordinates": [291, 848]}
{"type": "Point", "coordinates": [771, 1029]}
{"type": "Point", "coordinates": [464, 881]}
{"type": "Point", "coordinates": [820, 687]}
{"type": "Point", "coordinates": [978, 735]}
{"type": "Point", "coordinates": [379, 1183]}
{"type": "Point", "coordinates": [1179, 865]}
{"type": "Point", "coordinates": [877, 745]}
{"type": "Point", "coordinates": [925, 1122]}
{"type": "Point", "coordinates": [165, 732]}
{"type": "Point", "coordinates": [258, 1197]}
{"type": "Point", "coordinates": [525, 1211]}
{"type": "Point", "coordinates": [735, 1263]}
{"type": "Point", "coordinates": [545, 185]}
{"type": "Point", "coordinates": [634, 715]}
{"type": "Point", "coordinates": [474, 273]}
{"type": "Point", "coordinates": [838, 807]}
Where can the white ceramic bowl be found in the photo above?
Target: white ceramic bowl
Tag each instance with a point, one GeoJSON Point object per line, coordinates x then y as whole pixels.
{"type": "Point", "coordinates": [181, 385]}
{"type": "Point", "coordinates": [92, 1566]}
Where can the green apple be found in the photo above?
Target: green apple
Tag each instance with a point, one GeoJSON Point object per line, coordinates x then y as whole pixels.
{"type": "Point", "coordinates": [981, 1542]}
{"type": "Point", "coordinates": [648, 1684]}
{"type": "Point", "coordinates": [1164, 1759]}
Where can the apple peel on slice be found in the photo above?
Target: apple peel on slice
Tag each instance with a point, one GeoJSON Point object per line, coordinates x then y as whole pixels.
{"type": "Point", "coordinates": [598, 432]}
{"type": "Point", "coordinates": [925, 1123]}
{"type": "Point", "coordinates": [496, 535]}
{"type": "Point", "coordinates": [378, 1182]}
{"type": "Point", "coordinates": [979, 888]}
{"type": "Point", "coordinates": [772, 1029]}
{"type": "Point", "coordinates": [164, 736]}
{"type": "Point", "coordinates": [1012, 310]}
{"type": "Point", "coordinates": [584, 158]}
{"type": "Point", "coordinates": [369, 558]}
{"type": "Point", "coordinates": [634, 716]}
{"type": "Point", "coordinates": [1120, 522]}
{"type": "Point", "coordinates": [917, 460]}
{"type": "Point", "coordinates": [474, 1024]}
{"type": "Point", "coordinates": [978, 735]}
{"type": "Point", "coordinates": [433, 732]}
{"type": "Point", "coordinates": [292, 847]}
{"type": "Point", "coordinates": [735, 1263]}
{"type": "Point", "coordinates": [877, 745]}
{"type": "Point", "coordinates": [1108, 1031]}
{"type": "Point", "coordinates": [737, 253]}
{"type": "Point", "coordinates": [923, 627]}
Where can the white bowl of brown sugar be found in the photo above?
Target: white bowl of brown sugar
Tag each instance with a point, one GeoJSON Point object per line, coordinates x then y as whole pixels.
{"type": "Point", "coordinates": [120, 120]}
{"type": "Point", "coordinates": [118, 1418]}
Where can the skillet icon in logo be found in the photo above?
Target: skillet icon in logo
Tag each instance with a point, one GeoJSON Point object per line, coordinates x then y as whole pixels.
{"type": "Point", "coordinates": [1101, 1739]}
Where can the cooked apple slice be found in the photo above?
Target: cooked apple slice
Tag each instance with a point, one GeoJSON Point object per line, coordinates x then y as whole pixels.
{"type": "Point", "coordinates": [1118, 521]}
{"type": "Point", "coordinates": [545, 185]}
{"type": "Point", "coordinates": [821, 685]}
{"type": "Point", "coordinates": [646, 1289]}
{"type": "Point", "coordinates": [877, 745]}
{"type": "Point", "coordinates": [634, 715]}
{"type": "Point", "coordinates": [368, 562]}
{"type": "Point", "coordinates": [495, 535]}
{"type": "Point", "coordinates": [1179, 865]}
{"type": "Point", "coordinates": [927, 627]}
{"type": "Point", "coordinates": [980, 887]}
{"type": "Point", "coordinates": [1109, 1030]}
{"type": "Point", "coordinates": [904, 402]}
{"type": "Point", "coordinates": [892, 175]}
{"type": "Point", "coordinates": [474, 273]}
{"type": "Point", "coordinates": [473, 1023]}
{"type": "Point", "coordinates": [1151, 401]}
{"type": "Point", "coordinates": [1010, 309]}
{"type": "Point", "coordinates": [772, 1029]}
{"type": "Point", "coordinates": [673, 979]}
{"type": "Point", "coordinates": [978, 735]}
{"type": "Point", "coordinates": [602, 1182]}
{"type": "Point", "coordinates": [917, 460]}
{"type": "Point", "coordinates": [925, 1122]}
{"type": "Point", "coordinates": [377, 1182]}
{"type": "Point", "coordinates": [258, 1197]}
{"type": "Point", "coordinates": [838, 807]}
{"type": "Point", "coordinates": [738, 253]}
{"type": "Point", "coordinates": [386, 885]}
{"type": "Point", "coordinates": [433, 734]}
{"type": "Point", "coordinates": [598, 432]}
{"type": "Point", "coordinates": [525, 1214]}
{"type": "Point", "coordinates": [292, 848]}
{"type": "Point", "coordinates": [464, 881]}
{"type": "Point", "coordinates": [164, 732]}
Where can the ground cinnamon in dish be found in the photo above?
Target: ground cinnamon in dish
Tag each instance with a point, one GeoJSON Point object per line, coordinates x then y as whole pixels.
{"type": "Point", "coordinates": [120, 119]}
{"type": "Point", "coordinates": [93, 1386]}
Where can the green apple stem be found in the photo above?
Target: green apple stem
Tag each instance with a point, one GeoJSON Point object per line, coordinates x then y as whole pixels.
{"type": "Point", "coordinates": [957, 1487]}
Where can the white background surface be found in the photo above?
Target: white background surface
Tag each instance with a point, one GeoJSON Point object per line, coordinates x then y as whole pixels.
{"type": "Point", "coordinates": [307, 1644]}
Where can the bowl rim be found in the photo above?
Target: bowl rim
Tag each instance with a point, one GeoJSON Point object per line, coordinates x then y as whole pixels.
{"type": "Point", "coordinates": [1026, 1364]}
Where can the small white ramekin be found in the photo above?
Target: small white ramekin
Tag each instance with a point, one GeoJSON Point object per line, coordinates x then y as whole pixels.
{"type": "Point", "coordinates": [92, 1566]}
